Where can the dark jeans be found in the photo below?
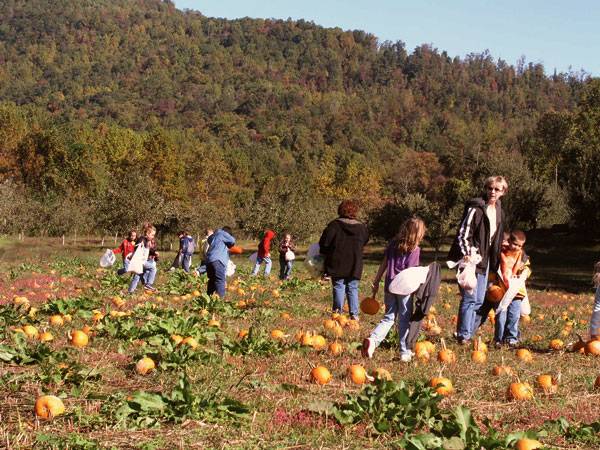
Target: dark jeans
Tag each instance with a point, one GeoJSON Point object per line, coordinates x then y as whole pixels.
{"type": "Point", "coordinates": [216, 278]}
{"type": "Point", "coordinates": [285, 268]}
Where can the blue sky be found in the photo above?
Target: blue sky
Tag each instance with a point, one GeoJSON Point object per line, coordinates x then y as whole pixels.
{"type": "Point", "coordinates": [556, 33]}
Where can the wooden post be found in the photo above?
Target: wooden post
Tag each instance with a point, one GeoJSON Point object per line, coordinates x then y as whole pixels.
{"type": "Point", "coordinates": [102, 244]}
{"type": "Point", "coordinates": [116, 237]}
{"type": "Point", "coordinates": [63, 240]}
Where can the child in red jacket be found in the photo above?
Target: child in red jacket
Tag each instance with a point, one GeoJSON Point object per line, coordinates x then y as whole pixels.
{"type": "Point", "coordinates": [264, 253]}
{"type": "Point", "coordinates": [126, 248]}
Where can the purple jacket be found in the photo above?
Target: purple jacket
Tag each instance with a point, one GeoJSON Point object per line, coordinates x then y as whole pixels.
{"type": "Point", "coordinates": [397, 261]}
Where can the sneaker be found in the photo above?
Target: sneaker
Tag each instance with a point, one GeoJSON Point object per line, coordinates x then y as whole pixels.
{"type": "Point", "coordinates": [352, 317]}
{"type": "Point", "coordinates": [513, 344]}
{"type": "Point", "coordinates": [150, 288]}
{"type": "Point", "coordinates": [406, 357]}
{"type": "Point", "coordinates": [463, 341]}
{"type": "Point", "coordinates": [368, 348]}
{"type": "Point", "coordinates": [497, 344]}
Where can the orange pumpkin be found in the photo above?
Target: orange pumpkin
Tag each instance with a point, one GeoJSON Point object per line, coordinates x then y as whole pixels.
{"type": "Point", "coordinates": [495, 293]}
{"type": "Point", "coordinates": [357, 374]}
{"type": "Point", "coordinates": [443, 386]}
{"type": "Point", "coordinates": [236, 250]}
{"type": "Point", "coordinates": [320, 375]}
{"type": "Point", "coordinates": [519, 391]}
{"type": "Point", "coordinates": [593, 348]}
{"type": "Point", "coordinates": [369, 306]}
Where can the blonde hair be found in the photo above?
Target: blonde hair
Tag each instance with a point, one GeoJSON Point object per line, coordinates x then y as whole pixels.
{"type": "Point", "coordinates": [497, 179]}
{"type": "Point", "coordinates": [147, 228]}
{"type": "Point", "coordinates": [410, 234]}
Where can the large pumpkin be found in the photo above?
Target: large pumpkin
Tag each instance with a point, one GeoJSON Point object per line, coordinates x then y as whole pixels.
{"type": "Point", "coordinates": [369, 306]}
{"type": "Point", "coordinates": [495, 293]}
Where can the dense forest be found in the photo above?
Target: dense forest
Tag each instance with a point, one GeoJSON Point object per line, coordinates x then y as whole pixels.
{"type": "Point", "coordinates": [114, 112]}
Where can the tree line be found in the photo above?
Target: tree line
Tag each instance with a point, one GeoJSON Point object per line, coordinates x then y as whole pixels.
{"type": "Point", "coordinates": [113, 112]}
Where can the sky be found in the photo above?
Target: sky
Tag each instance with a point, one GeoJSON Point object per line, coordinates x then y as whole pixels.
{"type": "Point", "coordinates": [561, 34]}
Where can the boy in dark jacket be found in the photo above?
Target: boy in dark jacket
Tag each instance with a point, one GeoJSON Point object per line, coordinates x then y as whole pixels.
{"type": "Point", "coordinates": [342, 244]}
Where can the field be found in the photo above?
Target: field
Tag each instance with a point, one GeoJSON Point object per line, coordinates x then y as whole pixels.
{"type": "Point", "coordinates": [256, 391]}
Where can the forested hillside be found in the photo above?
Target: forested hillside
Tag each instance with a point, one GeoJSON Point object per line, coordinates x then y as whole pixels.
{"type": "Point", "coordinates": [118, 111]}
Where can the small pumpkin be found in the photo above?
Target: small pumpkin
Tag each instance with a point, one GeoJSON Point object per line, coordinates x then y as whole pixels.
{"type": "Point", "coordinates": [320, 375]}
{"type": "Point", "coordinates": [443, 386]}
{"type": "Point", "coordinates": [519, 391]}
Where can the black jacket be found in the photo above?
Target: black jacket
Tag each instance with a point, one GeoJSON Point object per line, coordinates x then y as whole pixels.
{"type": "Point", "coordinates": [474, 231]}
{"type": "Point", "coordinates": [342, 244]}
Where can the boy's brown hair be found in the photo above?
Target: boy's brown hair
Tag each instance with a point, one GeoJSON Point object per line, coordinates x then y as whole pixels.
{"type": "Point", "coordinates": [518, 235]}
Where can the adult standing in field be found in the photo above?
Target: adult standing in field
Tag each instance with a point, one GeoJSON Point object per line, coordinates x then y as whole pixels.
{"type": "Point", "coordinates": [342, 244]}
{"type": "Point", "coordinates": [217, 258]}
{"type": "Point", "coordinates": [480, 231]}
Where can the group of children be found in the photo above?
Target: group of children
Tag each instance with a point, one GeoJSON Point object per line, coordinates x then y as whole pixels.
{"type": "Point", "coordinates": [146, 243]}
{"type": "Point", "coordinates": [215, 249]}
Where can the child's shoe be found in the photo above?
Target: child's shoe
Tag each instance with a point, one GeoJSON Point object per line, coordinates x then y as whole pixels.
{"type": "Point", "coordinates": [406, 357]}
{"type": "Point", "coordinates": [368, 348]}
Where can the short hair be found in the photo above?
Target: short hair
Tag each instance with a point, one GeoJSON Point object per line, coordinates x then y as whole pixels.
{"type": "Point", "coordinates": [348, 209]}
{"type": "Point", "coordinates": [518, 235]}
{"type": "Point", "coordinates": [227, 230]}
{"type": "Point", "coordinates": [131, 232]}
{"type": "Point", "coordinates": [497, 179]}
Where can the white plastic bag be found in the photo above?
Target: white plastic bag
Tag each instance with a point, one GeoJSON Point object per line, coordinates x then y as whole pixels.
{"type": "Point", "coordinates": [290, 256]}
{"type": "Point", "coordinates": [408, 280]}
{"type": "Point", "coordinates": [515, 285]}
{"type": "Point", "coordinates": [466, 275]}
{"type": "Point", "coordinates": [107, 259]}
{"type": "Point", "coordinates": [315, 262]}
{"type": "Point", "coordinates": [230, 269]}
{"type": "Point", "coordinates": [140, 256]}
{"type": "Point", "coordinates": [252, 258]}
{"type": "Point", "coordinates": [525, 307]}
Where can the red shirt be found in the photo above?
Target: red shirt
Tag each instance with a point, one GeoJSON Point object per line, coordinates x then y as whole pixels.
{"type": "Point", "coordinates": [264, 248]}
{"type": "Point", "coordinates": [125, 248]}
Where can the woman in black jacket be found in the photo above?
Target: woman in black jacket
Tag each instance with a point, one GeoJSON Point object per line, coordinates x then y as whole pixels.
{"type": "Point", "coordinates": [480, 231]}
{"type": "Point", "coordinates": [342, 244]}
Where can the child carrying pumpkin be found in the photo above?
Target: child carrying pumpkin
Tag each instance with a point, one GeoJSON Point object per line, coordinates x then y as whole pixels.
{"type": "Point", "coordinates": [513, 263]}
{"type": "Point", "coordinates": [401, 253]}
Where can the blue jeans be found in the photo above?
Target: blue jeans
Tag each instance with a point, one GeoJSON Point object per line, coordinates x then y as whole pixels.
{"type": "Point", "coordinates": [186, 261]}
{"type": "Point", "coordinates": [285, 268]}
{"type": "Point", "coordinates": [397, 308]}
{"type": "Point", "coordinates": [147, 276]}
{"type": "Point", "coordinates": [259, 261]}
{"type": "Point", "coordinates": [507, 323]}
{"type": "Point", "coordinates": [216, 278]}
{"type": "Point", "coordinates": [469, 310]}
{"type": "Point", "coordinates": [342, 288]}
{"type": "Point", "coordinates": [123, 270]}
{"type": "Point", "coordinates": [595, 320]}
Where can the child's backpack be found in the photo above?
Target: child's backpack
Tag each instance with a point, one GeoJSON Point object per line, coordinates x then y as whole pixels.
{"type": "Point", "coordinates": [189, 246]}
